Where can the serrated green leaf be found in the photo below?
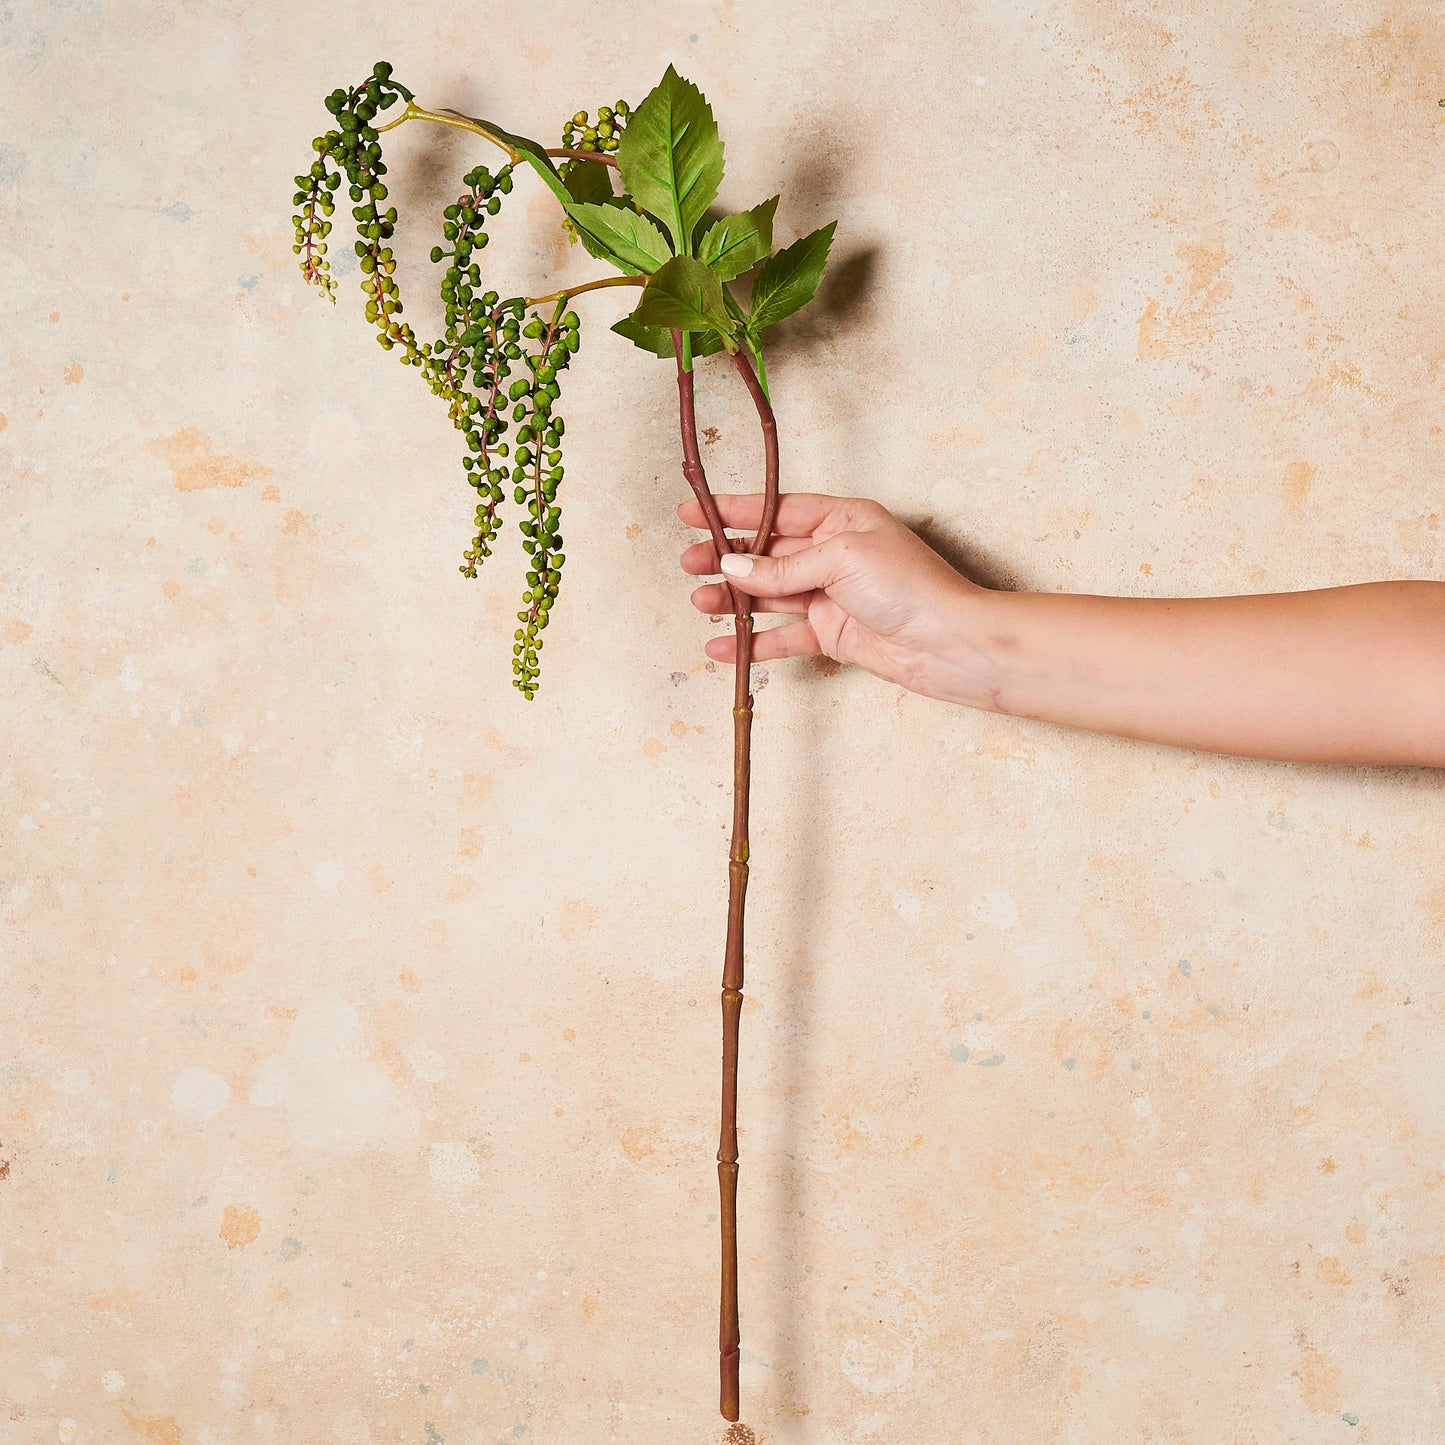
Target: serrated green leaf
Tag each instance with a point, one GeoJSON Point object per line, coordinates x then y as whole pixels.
{"type": "Point", "coordinates": [670, 157]}
{"type": "Point", "coordinates": [737, 243]}
{"type": "Point", "coordinates": [734, 310]}
{"type": "Point", "coordinates": [686, 296]}
{"type": "Point", "coordinates": [588, 181]}
{"type": "Point", "coordinates": [658, 339]}
{"type": "Point", "coordinates": [629, 239]}
{"type": "Point", "coordinates": [594, 247]}
{"type": "Point", "coordinates": [789, 279]}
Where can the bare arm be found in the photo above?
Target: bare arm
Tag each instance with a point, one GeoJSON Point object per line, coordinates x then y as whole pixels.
{"type": "Point", "coordinates": [1337, 675]}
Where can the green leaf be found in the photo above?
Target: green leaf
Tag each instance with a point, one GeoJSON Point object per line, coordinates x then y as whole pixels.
{"type": "Point", "coordinates": [670, 156]}
{"type": "Point", "coordinates": [790, 279]}
{"type": "Point", "coordinates": [737, 243]}
{"type": "Point", "coordinates": [629, 239]}
{"type": "Point", "coordinates": [658, 339]}
{"type": "Point", "coordinates": [734, 310]}
{"type": "Point", "coordinates": [686, 296]}
{"type": "Point", "coordinates": [588, 181]}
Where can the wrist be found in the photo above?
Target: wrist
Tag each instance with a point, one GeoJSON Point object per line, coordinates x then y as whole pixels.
{"type": "Point", "coordinates": [977, 662]}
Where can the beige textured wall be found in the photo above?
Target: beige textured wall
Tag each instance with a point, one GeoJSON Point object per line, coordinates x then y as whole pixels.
{"type": "Point", "coordinates": [360, 1025]}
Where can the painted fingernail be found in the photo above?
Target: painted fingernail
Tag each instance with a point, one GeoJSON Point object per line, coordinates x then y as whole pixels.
{"type": "Point", "coordinates": [737, 564]}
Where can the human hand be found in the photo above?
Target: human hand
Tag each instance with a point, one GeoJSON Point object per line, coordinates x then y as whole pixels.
{"type": "Point", "coordinates": [868, 589]}
{"type": "Point", "coordinates": [1352, 674]}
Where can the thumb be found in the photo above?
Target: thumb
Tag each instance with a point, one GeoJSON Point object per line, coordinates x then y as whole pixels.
{"type": "Point", "coordinates": [809, 570]}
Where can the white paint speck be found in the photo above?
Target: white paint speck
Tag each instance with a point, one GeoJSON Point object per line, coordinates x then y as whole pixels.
{"type": "Point", "coordinates": [995, 908]}
{"type": "Point", "coordinates": [350, 1428]}
{"type": "Point", "coordinates": [130, 679]}
{"type": "Point", "coordinates": [199, 1094]}
{"type": "Point", "coordinates": [328, 873]}
{"type": "Point", "coordinates": [1160, 1312]}
{"type": "Point", "coordinates": [906, 906]}
{"type": "Point", "coordinates": [873, 1368]}
{"type": "Point", "coordinates": [455, 1166]}
{"type": "Point", "coordinates": [65, 1431]}
{"type": "Point", "coordinates": [335, 1098]}
{"type": "Point", "coordinates": [72, 1081]}
{"type": "Point", "coordinates": [26, 823]}
{"type": "Point", "coordinates": [112, 1382]}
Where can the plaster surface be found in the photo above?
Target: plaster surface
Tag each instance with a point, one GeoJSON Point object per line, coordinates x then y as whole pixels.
{"type": "Point", "coordinates": [359, 1043]}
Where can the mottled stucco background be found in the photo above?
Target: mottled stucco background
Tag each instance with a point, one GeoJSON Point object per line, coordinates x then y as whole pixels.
{"type": "Point", "coordinates": [360, 1027]}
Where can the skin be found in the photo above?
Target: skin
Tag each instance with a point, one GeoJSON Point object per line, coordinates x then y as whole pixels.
{"type": "Point", "coordinates": [1350, 675]}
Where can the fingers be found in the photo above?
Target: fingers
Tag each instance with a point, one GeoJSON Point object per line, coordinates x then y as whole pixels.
{"type": "Point", "coordinates": [800, 514]}
{"type": "Point", "coordinates": [701, 558]}
{"type": "Point", "coordinates": [792, 639]}
{"type": "Point", "coordinates": [714, 599]}
{"type": "Point", "coordinates": [809, 569]}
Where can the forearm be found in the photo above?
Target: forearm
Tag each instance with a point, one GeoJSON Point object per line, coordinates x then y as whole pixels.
{"type": "Point", "coordinates": [1338, 675]}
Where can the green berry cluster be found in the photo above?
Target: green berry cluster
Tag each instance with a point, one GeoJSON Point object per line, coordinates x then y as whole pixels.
{"type": "Point", "coordinates": [603, 134]}
{"type": "Point", "coordinates": [471, 374]}
{"type": "Point", "coordinates": [353, 149]}
{"type": "Point", "coordinates": [479, 345]}
{"type": "Point", "coordinates": [582, 133]}
{"type": "Point", "coordinates": [536, 476]}
{"type": "Point", "coordinates": [496, 365]}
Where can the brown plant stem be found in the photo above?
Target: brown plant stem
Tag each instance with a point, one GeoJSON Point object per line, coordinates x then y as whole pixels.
{"type": "Point", "coordinates": [729, 1338]}
{"type": "Point", "coordinates": [769, 424]}
{"type": "Point", "coordinates": [562, 153]}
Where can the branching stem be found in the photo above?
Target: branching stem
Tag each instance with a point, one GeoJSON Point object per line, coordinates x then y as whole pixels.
{"type": "Point", "coordinates": [414, 111]}
{"type": "Point", "coordinates": [564, 154]}
{"type": "Point", "coordinates": [455, 118]}
{"type": "Point", "coordinates": [587, 286]}
{"type": "Point", "coordinates": [757, 389]}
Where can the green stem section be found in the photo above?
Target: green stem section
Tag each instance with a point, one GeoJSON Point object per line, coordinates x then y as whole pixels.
{"type": "Point", "coordinates": [453, 118]}
{"type": "Point", "coordinates": [762, 373]}
{"type": "Point", "coordinates": [587, 286]}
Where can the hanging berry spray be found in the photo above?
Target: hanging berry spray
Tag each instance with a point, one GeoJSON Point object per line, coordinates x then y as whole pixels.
{"type": "Point", "coordinates": [498, 364]}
